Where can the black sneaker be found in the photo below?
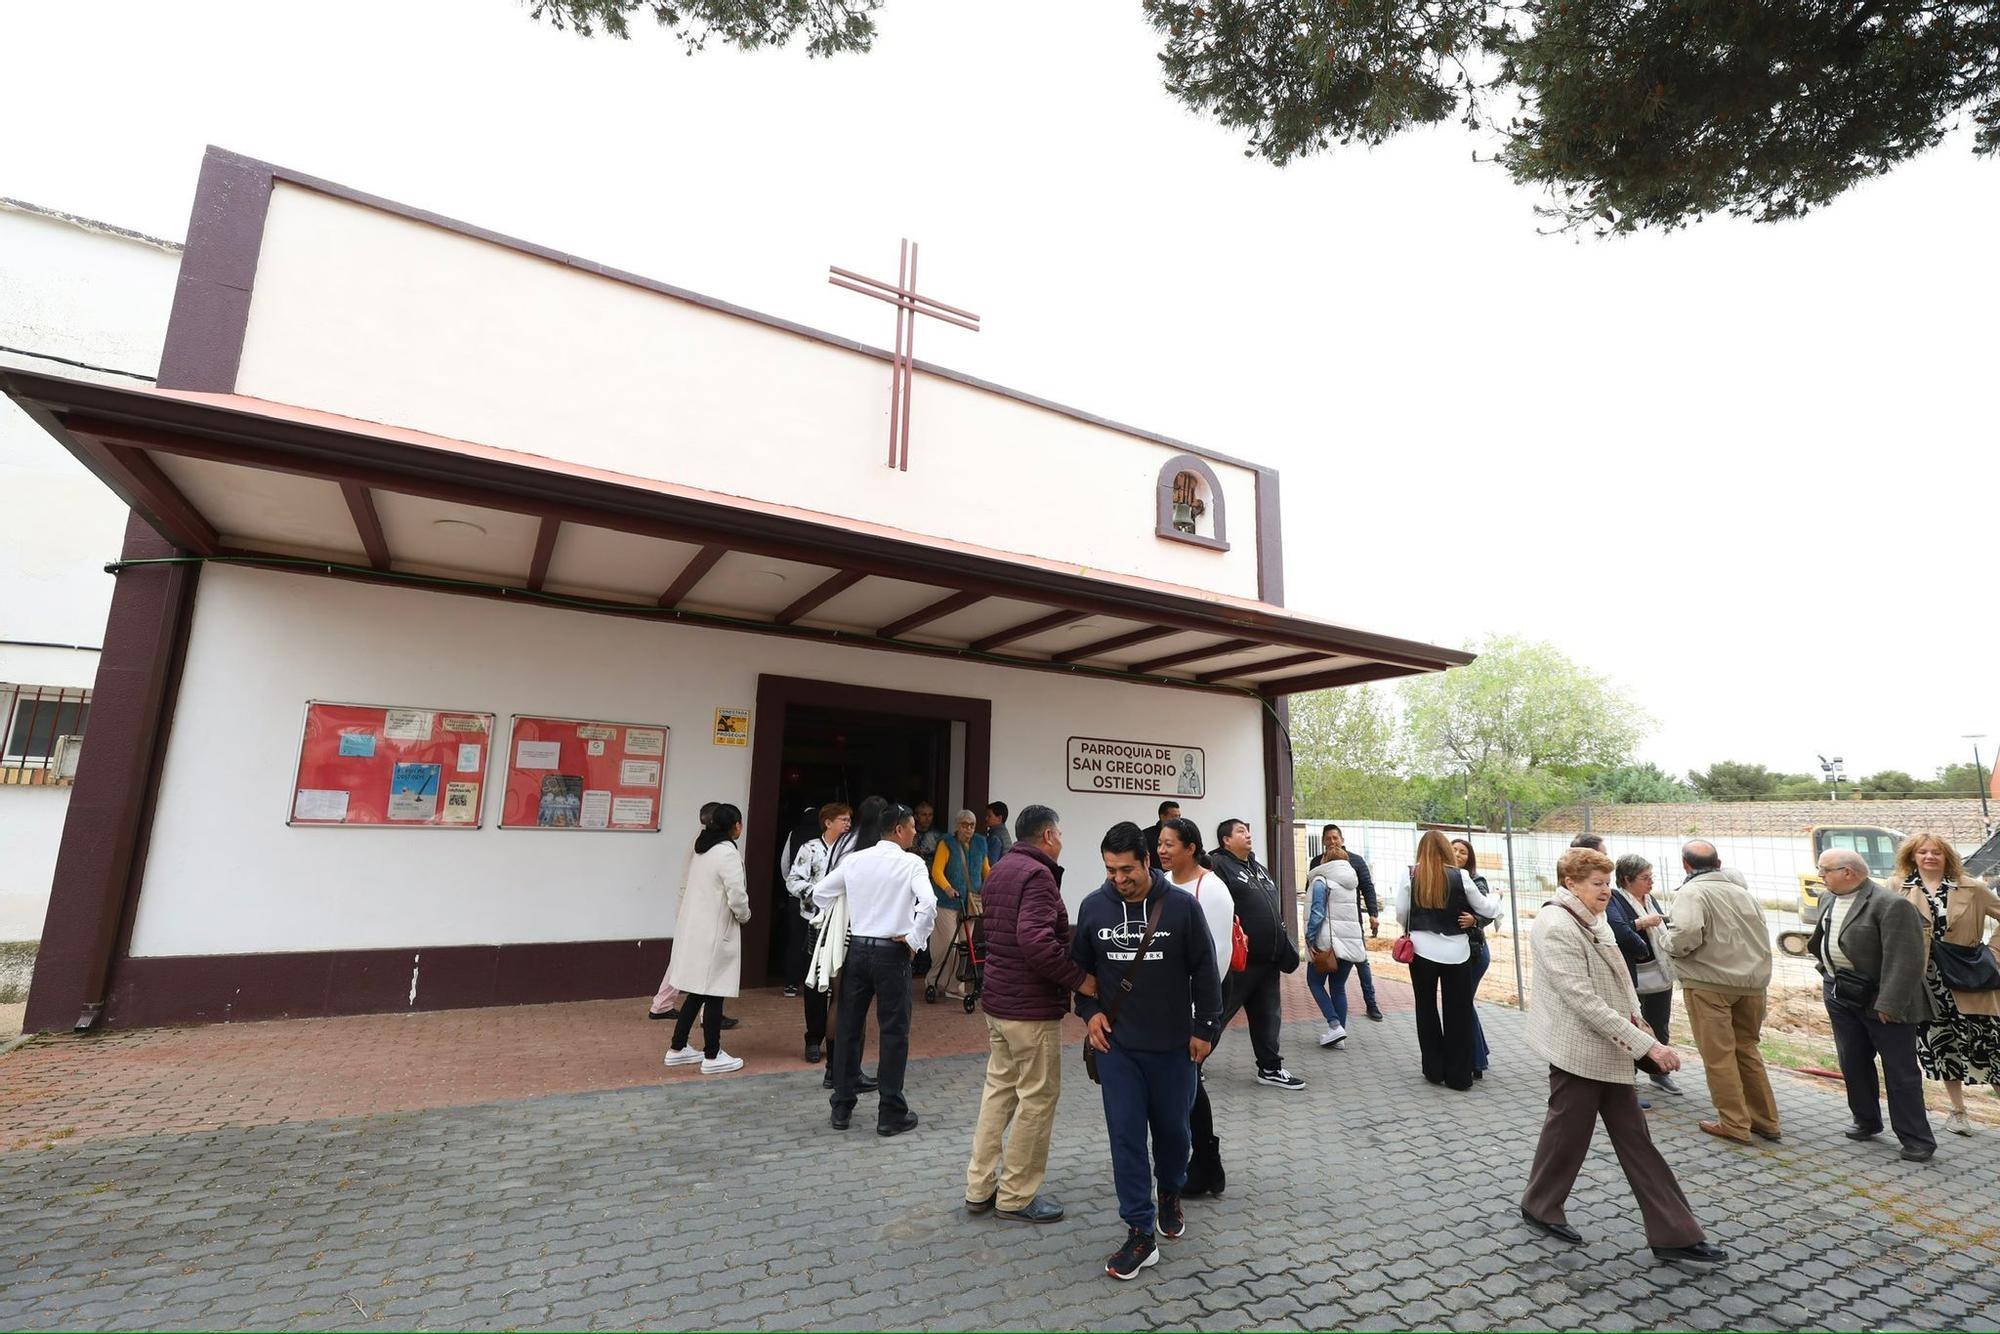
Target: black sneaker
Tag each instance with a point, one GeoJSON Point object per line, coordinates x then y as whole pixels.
{"type": "Point", "coordinates": [791, 992]}
{"type": "Point", "coordinates": [1376, 1015]}
{"type": "Point", "coordinates": [1137, 1253]}
{"type": "Point", "coordinates": [1280, 1078]}
{"type": "Point", "coordinates": [1170, 1221]}
{"type": "Point", "coordinates": [729, 1023]}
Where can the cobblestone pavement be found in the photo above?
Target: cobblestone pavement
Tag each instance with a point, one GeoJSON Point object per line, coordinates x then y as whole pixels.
{"type": "Point", "coordinates": [1368, 1200]}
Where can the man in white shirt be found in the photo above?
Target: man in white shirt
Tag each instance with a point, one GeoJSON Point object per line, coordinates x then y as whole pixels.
{"type": "Point", "coordinates": [890, 908]}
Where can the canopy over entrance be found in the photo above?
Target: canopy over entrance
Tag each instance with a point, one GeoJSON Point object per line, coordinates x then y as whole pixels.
{"type": "Point", "coordinates": [230, 477]}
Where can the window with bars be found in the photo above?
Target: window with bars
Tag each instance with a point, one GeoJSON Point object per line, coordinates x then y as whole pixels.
{"type": "Point", "coordinates": [34, 720]}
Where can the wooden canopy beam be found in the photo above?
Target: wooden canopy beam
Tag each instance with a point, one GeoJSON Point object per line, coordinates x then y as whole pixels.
{"type": "Point", "coordinates": [1116, 642]}
{"type": "Point", "coordinates": [936, 611]}
{"type": "Point", "coordinates": [545, 550]}
{"type": "Point", "coordinates": [1055, 620]}
{"type": "Point", "coordinates": [138, 481]}
{"type": "Point", "coordinates": [824, 592]}
{"type": "Point", "coordinates": [1343, 676]}
{"type": "Point", "coordinates": [691, 574]}
{"type": "Point", "coordinates": [1276, 664]}
{"type": "Point", "coordinates": [367, 523]}
{"type": "Point", "coordinates": [1191, 654]}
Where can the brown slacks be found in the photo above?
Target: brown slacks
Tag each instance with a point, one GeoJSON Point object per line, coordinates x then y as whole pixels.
{"type": "Point", "coordinates": [1575, 1104]}
{"type": "Point", "coordinates": [1726, 1031]}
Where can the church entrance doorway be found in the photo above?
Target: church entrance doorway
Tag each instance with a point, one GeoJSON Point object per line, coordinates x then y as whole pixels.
{"type": "Point", "coordinates": [820, 741]}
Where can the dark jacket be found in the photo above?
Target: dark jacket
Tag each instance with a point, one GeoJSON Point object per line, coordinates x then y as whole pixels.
{"type": "Point", "coordinates": [1029, 973]}
{"type": "Point", "coordinates": [1884, 939]}
{"type": "Point", "coordinates": [1176, 989]}
{"type": "Point", "coordinates": [1632, 942]}
{"type": "Point", "coordinates": [1258, 908]}
{"type": "Point", "coordinates": [1365, 882]}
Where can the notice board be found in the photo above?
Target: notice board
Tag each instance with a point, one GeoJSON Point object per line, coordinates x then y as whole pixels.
{"type": "Point", "coordinates": [380, 765]}
{"type": "Point", "coordinates": [578, 773]}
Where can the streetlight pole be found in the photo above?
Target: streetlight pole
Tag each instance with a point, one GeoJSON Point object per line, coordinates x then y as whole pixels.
{"type": "Point", "coordinates": [1979, 777]}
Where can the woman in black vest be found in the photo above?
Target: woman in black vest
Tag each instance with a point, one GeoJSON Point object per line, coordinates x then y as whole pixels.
{"type": "Point", "coordinates": [1435, 897]}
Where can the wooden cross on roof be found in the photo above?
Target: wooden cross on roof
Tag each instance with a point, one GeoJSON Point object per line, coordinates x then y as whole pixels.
{"type": "Point", "coordinates": [909, 304]}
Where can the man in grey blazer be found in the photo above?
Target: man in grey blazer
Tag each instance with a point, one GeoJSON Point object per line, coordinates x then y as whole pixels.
{"type": "Point", "coordinates": [1870, 940]}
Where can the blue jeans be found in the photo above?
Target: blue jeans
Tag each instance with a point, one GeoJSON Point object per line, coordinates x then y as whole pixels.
{"type": "Point", "coordinates": [1482, 959]}
{"type": "Point", "coordinates": [1330, 991]}
{"type": "Point", "coordinates": [1146, 1090]}
{"type": "Point", "coordinates": [1367, 985]}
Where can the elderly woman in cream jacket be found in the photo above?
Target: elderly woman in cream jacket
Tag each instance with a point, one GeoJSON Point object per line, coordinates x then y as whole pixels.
{"type": "Point", "coordinates": [1585, 1023]}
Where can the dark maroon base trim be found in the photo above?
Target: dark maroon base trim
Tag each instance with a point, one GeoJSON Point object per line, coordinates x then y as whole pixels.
{"type": "Point", "coordinates": [216, 988]}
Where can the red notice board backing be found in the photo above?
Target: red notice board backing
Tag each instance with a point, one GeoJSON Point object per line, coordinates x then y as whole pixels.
{"type": "Point", "coordinates": [575, 773]}
{"type": "Point", "coordinates": [372, 764]}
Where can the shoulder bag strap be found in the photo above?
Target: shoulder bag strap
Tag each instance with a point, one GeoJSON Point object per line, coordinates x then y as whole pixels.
{"type": "Point", "coordinates": [1125, 982]}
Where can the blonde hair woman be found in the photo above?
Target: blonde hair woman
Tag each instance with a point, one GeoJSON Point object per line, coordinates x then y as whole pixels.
{"type": "Point", "coordinates": [1585, 1024]}
{"type": "Point", "coordinates": [1435, 900]}
{"type": "Point", "coordinates": [1962, 1044]}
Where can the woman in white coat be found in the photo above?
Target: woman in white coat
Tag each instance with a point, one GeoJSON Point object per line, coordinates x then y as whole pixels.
{"type": "Point", "coordinates": [707, 962]}
{"type": "Point", "coordinates": [1333, 926]}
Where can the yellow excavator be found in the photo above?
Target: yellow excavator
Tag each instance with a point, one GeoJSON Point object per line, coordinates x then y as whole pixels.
{"type": "Point", "coordinates": [1876, 844]}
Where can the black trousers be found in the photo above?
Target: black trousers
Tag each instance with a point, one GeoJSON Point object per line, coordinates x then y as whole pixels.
{"type": "Point", "coordinates": [1860, 1038]}
{"type": "Point", "coordinates": [1446, 1041]}
{"type": "Point", "coordinates": [798, 949]}
{"type": "Point", "coordinates": [1658, 1012]}
{"type": "Point", "coordinates": [877, 975]}
{"type": "Point", "coordinates": [711, 1023]}
{"type": "Point", "coordinates": [1255, 991]}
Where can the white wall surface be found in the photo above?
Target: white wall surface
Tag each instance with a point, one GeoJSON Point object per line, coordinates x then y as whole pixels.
{"type": "Point", "coordinates": [65, 291]}
{"type": "Point", "coordinates": [375, 316]}
{"type": "Point", "coordinates": [225, 874]}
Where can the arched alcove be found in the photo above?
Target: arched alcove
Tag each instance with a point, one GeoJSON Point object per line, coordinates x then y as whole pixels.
{"type": "Point", "coordinates": [1190, 504]}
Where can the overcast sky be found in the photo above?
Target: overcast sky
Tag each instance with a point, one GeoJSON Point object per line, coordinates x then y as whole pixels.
{"type": "Point", "coordinates": [1747, 472]}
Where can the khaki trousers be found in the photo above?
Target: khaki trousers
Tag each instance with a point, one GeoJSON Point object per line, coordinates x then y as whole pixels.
{"type": "Point", "coordinates": [1023, 1081]}
{"type": "Point", "coordinates": [1575, 1106]}
{"type": "Point", "coordinates": [1726, 1029]}
{"type": "Point", "coordinates": [942, 932]}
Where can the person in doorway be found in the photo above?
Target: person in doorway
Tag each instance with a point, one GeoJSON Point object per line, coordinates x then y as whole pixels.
{"type": "Point", "coordinates": [958, 871]}
{"type": "Point", "coordinates": [1585, 1024]}
{"type": "Point", "coordinates": [1168, 810]}
{"type": "Point", "coordinates": [1029, 978]}
{"type": "Point", "coordinates": [1433, 905]}
{"type": "Point", "coordinates": [1467, 862]}
{"type": "Point", "coordinates": [1869, 947]}
{"type": "Point", "coordinates": [1333, 843]}
{"type": "Point", "coordinates": [809, 866]}
{"type": "Point", "coordinates": [890, 907]}
{"type": "Point", "coordinates": [1261, 911]}
{"type": "Point", "coordinates": [795, 924]}
{"type": "Point", "coordinates": [1962, 1044]}
{"type": "Point", "coordinates": [925, 844]}
{"type": "Point", "coordinates": [998, 840]}
{"type": "Point", "coordinates": [707, 962]}
{"type": "Point", "coordinates": [1333, 926]}
{"type": "Point", "coordinates": [1721, 949]}
{"type": "Point", "coordinates": [667, 1001]}
{"type": "Point", "coordinates": [1638, 924]}
{"type": "Point", "coordinates": [1187, 868]}
{"type": "Point", "coordinates": [1152, 1022]}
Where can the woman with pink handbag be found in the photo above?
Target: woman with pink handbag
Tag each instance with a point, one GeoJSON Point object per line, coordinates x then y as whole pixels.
{"type": "Point", "coordinates": [1434, 900]}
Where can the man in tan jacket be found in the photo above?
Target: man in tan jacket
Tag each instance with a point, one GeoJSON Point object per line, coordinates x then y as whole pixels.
{"type": "Point", "coordinates": [1722, 952]}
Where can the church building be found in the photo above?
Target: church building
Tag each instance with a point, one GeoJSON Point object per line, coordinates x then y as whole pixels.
{"type": "Point", "coordinates": [461, 572]}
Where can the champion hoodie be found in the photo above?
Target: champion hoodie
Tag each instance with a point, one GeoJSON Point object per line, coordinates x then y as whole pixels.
{"type": "Point", "coordinates": [1176, 991]}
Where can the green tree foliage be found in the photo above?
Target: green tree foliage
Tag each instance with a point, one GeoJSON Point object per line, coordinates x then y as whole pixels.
{"type": "Point", "coordinates": [1629, 113]}
{"type": "Point", "coordinates": [1345, 756]}
{"type": "Point", "coordinates": [829, 26]}
{"type": "Point", "coordinates": [1520, 722]}
{"type": "Point", "coordinates": [1634, 784]}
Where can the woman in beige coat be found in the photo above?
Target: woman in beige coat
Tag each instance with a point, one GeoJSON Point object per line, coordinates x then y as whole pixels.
{"type": "Point", "coordinates": [707, 962]}
{"type": "Point", "coordinates": [1962, 1044]}
{"type": "Point", "coordinates": [1585, 1023]}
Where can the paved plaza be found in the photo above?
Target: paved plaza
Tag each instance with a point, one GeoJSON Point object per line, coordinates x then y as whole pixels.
{"type": "Point", "coordinates": [1368, 1200]}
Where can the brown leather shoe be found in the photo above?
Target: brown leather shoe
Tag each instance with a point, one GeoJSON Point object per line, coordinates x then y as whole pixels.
{"type": "Point", "coordinates": [1715, 1128]}
{"type": "Point", "coordinates": [1770, 1136]}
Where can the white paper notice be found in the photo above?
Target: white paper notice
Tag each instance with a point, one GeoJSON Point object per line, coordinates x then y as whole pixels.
{"type": "Point", "coordinates": [639, 773]}
{"type": "Point", "coordinates": [632, 810]}
{"type": "Point", "coordinates": [645, 741]}
{"type": "Point", "coordinates": [468, 757]}
{"type": "Point", "coordinates": [593, 747]}
{"type": "Point", "coordinates": [461, 802]}
{"type": "Point", "coordinates": [407, 725]}
{"type": "Point", "coordinates": [319, 804]}
{"type": "Point", "coordinates": [537, 754]}
{"type": "Point", "coordinates": [596, 810]}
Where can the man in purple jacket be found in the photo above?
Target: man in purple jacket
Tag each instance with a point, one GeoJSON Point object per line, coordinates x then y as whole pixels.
{"type": "Point", "coordinates": [1026, 990]}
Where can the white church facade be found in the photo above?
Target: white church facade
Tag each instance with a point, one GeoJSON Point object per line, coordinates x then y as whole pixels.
{"type": "Point", "coordinates": [465, 571]}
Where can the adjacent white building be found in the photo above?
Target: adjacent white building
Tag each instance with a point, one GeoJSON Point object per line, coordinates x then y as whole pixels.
{"type": "Point", "coordinates": [85, 299]}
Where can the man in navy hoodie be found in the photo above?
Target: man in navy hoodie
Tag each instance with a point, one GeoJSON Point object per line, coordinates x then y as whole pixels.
{"type": "Point", "coordinates": [1168, 1010]}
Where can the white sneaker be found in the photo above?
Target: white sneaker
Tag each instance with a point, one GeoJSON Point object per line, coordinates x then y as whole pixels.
{"type": "Point", "coordinates": [1280, 1078]}
{"type": "Point", "coordinates": [722, 1064]}
{"type": "Point", "coordinates": [1339, 1033]}
{"type": "Point", "coordinates": [1328, 1038]}
{"type": "Point", "coordinates": [683, 1056]}
{"type": "Point", "coordinates": [1958, 1123]}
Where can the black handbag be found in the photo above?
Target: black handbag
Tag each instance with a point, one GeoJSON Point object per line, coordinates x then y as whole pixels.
{"type": "Point", "coordinates": [1124, 986]}
{"type": "Point", "coordinates": [1854, 991]}
{"type": "Point", "coordinates": [1965, 967]}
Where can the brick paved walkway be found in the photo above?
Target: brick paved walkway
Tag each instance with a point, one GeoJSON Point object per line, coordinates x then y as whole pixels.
{"type": "Point", "coordinates": [727, 1202]}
